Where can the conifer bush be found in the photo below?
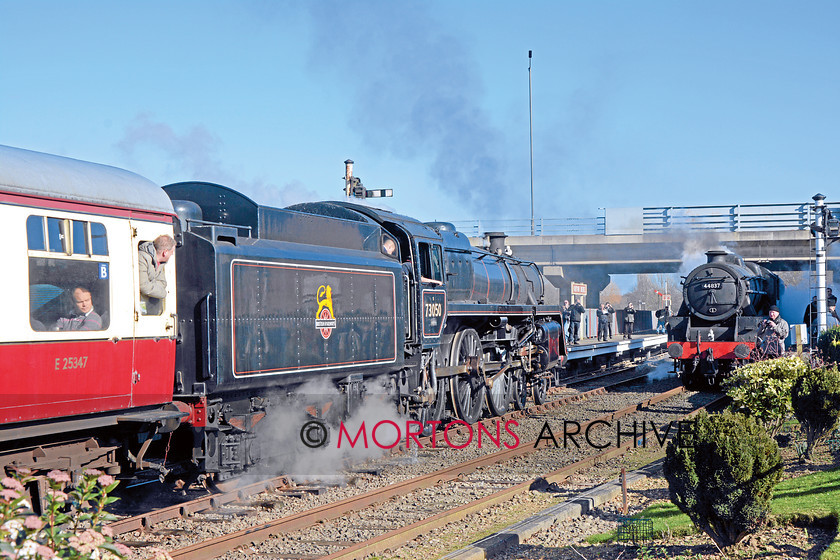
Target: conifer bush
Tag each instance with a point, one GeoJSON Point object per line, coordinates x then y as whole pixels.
{"type": "Point", "coordinates": [816, 404]}
{"type": "Point", "coordinates": [828, 344]}
{"type": "Point", "coordinates": [762, 390]}
{"type": "Point", "coordinates": [722, 476]}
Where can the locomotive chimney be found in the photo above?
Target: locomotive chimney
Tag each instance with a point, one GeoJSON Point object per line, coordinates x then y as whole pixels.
{"type": "Point", "coordinates": [716, 256]}
{"type": "Point", "coordinates": [348, 176]}
{"type": "Point", "coordinates": [497, 241]}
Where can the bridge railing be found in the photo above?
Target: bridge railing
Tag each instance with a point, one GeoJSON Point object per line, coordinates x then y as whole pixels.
{"type": "Point", "coordinates": [739, 217]}
{"type": "Point", "coordinates": [659, 219]}
{"type": "Point", "coordinates": [542, 226]}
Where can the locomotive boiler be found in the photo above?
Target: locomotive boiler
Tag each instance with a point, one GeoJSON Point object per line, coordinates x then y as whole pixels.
{"type": "Point", "coordinates": [724, 302]}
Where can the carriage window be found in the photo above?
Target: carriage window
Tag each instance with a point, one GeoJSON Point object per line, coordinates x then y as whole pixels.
{"type": "Point", "coordinates": [68, 295]}
{"type": "Point", "coordinates": [80, 237]}
{"type": "Point", "coordinates": [68, 289]}
{"type": "Point", "coordinates": [35, 233]}
{"type": "Point", "coordinates": [431, 269]}
{"type": "Point", "coordinates": [98, 239]}
{"type": "Point", "coordinates": [56, 235]}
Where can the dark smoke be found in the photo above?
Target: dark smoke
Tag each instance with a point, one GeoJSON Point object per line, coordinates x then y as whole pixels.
{"type": "Point", "coordinates": [415, 94]}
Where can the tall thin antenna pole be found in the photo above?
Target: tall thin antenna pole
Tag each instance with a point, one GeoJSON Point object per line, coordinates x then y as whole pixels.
{"type": "Point", "coordinates": [531, 126]}
{"type": "Point", "coordinates": [819, 250]}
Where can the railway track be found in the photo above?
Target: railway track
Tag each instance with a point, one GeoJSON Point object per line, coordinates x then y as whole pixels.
{"type": "Point", "coordinates": [455, 481]}
{"type": "Point", "coordinates": [400, 536]}
{"type": "Point", "coordinates": [235, 491]}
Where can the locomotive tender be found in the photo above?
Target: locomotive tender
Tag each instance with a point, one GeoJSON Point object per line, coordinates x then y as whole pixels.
{"type": "Point", "coordinates": [724, 302]}
{"type": "Point", "coordinates": [260, 301]}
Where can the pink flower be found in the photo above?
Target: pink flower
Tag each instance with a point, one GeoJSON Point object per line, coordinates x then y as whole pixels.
{"type": "Point", "coordinates": [122, 549]}
{"type": "Point", "coordinates": [107, 531]}
{"type": "Point", "coordinates": [45, 551]}
{"type": "Point", "coordinates": [58, 476]}
{"type": "Point", "coordinates": [33, 522]}
{"type": "Point", "coordinates": [105, 480]}
{"type": "Point", "coordinates": [8, 494]}
{"type": "Point", "coordinates": [91, 537]}
{"type": "Point", "coordinates": [12, 484]}
{"type": "Point", "coordinates": [57, 495]}
{"type": "Point", "coordinates": [93, 472]}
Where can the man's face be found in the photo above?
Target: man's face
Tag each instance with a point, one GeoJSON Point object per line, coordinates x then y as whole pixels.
{"type": "Point", "coordinates": [566, 303]}
{"type": "Point", "coordinates": [774, 314]}
{"type": "Point", "coordinates": [164, 256]}
{"type": "Point", "coordinates": [82, 300]}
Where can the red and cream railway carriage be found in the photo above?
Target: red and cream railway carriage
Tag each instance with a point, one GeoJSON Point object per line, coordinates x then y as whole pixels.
{"type": "Point", "coordinates": [69, 224]}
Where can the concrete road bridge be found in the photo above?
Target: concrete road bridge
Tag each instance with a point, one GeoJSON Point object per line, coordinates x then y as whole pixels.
{"type": "Point", "coordinates": [663, 239]}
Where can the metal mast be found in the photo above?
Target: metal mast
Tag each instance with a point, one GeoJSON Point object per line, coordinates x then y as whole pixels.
{"type": "Point", "coordinates": [819, 250]}
{"type": "Point", "coordinates": [531, 126]}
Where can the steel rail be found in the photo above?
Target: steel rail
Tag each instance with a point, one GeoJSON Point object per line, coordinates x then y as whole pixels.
{"type": "Point", "coordinates": [399, 537]}
{"type": "Point", "coordinates": [145, 521]}
{"type": "Point", "coordinates": [220, 545]}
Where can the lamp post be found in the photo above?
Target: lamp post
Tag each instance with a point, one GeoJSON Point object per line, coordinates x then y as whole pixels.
{"type": "Point", "coordinates": [531, 126]}
{"type": "Point", "coordinates": [819, 254]}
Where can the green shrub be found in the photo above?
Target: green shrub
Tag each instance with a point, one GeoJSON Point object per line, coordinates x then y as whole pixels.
{"type": "Point", "coordinates": [722, 476]}
{"type": "Point", "coordinates": [72, 524]}
{"type": "Point", "coordinates": [762, 390]}
{"type": "Point", "coordinates": [828, 344]}
{"type": "Point", "coordinates": [816, 403]}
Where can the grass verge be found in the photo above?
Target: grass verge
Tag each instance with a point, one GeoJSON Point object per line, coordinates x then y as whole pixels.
{"type": "Point", "coordinates": [809, 499]}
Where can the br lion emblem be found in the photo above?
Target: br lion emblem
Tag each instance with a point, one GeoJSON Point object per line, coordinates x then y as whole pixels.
{"type": "Point", "coordinates": [324, 318]}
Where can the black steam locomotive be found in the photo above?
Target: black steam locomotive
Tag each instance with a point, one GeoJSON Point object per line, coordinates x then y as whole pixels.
{"type": "Point", "coordinates": [269, 299]}
{"type": "Point", "coordinates": [724, 303]}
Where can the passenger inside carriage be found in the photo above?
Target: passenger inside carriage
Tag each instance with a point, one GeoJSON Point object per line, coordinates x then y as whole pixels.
{"type": "Point", "coordinates": [68, 273]}
{"type": "Point", "coordinates": [83, 316]}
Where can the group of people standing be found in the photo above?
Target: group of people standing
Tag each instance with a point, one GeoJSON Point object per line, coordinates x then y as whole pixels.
{"type": "Point", "coordinates": [831, 320]}
{"type": "Point", "coordinates": [573, 315]}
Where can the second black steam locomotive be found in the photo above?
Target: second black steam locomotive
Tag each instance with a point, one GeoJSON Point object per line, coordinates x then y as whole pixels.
{"type": "Point", "coordinates": [724, 302]}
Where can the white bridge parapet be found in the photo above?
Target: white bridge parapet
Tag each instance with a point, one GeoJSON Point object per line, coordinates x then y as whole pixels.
{"type": "Point", "coordinates": [658, 219]}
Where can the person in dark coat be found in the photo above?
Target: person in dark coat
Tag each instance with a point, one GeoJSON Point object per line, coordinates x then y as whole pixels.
{"type": "Point", "coordinates": [629, 320]}
{"type": "Point", "coordinates": [608, 308]}
{"type": "Point", "coordinates": [603, 321]}
{"type": "Point", "coordinates": [576, 312]}
{"type": "Point", "coordinates": [662, 317]}
{"type": "Point", "coordinates": [810, 317]}
{"type": "Point", "coordinates": [567, 314]}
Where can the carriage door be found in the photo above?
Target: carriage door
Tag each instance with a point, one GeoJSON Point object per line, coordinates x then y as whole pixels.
{"type": "Point", "coordinates": [154, 326]}
{"type": "Point", "coordinates": [432, 291]}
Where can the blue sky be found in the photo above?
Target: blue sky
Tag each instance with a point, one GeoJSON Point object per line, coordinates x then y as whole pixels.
{"type": "Point", "coordinates": [634, 103]}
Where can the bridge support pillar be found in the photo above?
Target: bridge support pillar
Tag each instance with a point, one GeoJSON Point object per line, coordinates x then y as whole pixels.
{"type": "Point", "coordinates": [563, 276]}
